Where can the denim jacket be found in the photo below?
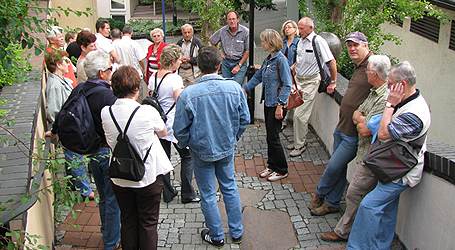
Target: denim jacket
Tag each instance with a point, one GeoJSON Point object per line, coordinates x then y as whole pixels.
{"type": "Point", "coordinates": [269, 77]}
{"type": "Point", "coordinates": [210, 117]}
{"type": "Point", "coordinates": [292, 51]}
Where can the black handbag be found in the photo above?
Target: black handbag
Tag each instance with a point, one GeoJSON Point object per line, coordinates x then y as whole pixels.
{"type": "Point", "coordinates": [393, 159]}
{"type": "Point", "coordinates": [152, 99]}
{"type": "Point", "coordinates": [126, 162]}
{"type": "Point", "coordinates": [324, 71]}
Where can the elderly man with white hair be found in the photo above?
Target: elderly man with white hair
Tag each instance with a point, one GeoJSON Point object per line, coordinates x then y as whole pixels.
{"type": "Point", "coordinates": [98, 68]}
{"type": "Point", "coordinates": [191, 45]}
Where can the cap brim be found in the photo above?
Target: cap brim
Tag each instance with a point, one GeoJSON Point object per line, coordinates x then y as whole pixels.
{"type": "Point", "coordinates": [356, 40]}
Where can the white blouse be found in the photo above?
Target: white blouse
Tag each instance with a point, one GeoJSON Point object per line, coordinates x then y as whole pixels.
{"type": "Point", "coordinates": [141, 134]}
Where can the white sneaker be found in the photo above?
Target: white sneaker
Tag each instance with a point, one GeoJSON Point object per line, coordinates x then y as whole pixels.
{"type": "Point", "coordinates": [297, 152]}
{"type": "Point", "coordinates": [290, 146]}
{"type": "Point", "coordinates": [266, 172]}
{"type": "Point", "coordinates": [276, 176]}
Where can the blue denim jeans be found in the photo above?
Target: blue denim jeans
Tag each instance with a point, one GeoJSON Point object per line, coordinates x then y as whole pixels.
{"type": "Point", "coordinates": [109, 210]}
{"type": "Point", "coordinates": [223, 170]}
{"type": "Point", "coordinates": [374, 225]}
{"type": "Point", "coordinates": [228, 65]}
{"type": "Point", "coordinates": [76, 168]}
{"type": "Point", "coordinates": [333, 181]}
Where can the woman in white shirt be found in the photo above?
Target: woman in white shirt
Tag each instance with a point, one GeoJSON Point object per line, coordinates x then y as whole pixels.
{"type": "Point", "coordinates": [170, 87]}
{"type": "Point", "coordinates": [139, 201]}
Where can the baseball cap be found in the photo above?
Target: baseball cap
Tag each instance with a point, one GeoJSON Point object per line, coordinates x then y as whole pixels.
{"type": "Point", "coordinates": [53, 31]}
{"type": "Point", "coordinates": [356, 37]}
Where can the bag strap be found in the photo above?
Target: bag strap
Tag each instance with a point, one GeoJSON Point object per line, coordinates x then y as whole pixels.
{"type": "Point", "coordinates": [279, 77]}
{"type": "Point", "coordinates": [127, 124]}
{"type": "Point", "coordinates": [157, 87]}
{"type": "Point", "coordinates": [316, 53]}
{"type": "Point", "coordinates": [418, 142]}
{"type": "Point", "coordinates": [126, 127]}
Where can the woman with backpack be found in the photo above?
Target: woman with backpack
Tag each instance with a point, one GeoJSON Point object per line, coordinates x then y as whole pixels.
{"type": "Point", "coordinates": [168, 87]}
{"type": "Point", "coordinates": [139, 201]}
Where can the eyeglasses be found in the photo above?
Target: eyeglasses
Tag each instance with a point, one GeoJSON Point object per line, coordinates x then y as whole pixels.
{"type": "Point", "coordinates": [110, 68]}
{"type": "Point", "coordinates": [369, 71]}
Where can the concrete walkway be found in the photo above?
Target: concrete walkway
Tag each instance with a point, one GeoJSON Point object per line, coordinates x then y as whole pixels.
{"type": "Point", "coordinates": [275, 215]}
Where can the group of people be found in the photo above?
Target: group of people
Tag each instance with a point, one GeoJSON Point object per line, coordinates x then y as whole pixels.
{"type": "Point", "coordinates": [207, 114]}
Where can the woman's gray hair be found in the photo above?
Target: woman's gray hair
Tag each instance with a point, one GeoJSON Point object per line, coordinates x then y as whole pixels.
{"type": "Point", "coordinates": [95, 61]}
{"type": "Point", "coordinates": [404, 71]}
{"type": "Point", "coordinates": [381, 65]}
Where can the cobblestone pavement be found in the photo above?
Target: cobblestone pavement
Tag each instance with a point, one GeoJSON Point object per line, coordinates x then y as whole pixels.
{"type": "Point", "coordinates": [180, 224]}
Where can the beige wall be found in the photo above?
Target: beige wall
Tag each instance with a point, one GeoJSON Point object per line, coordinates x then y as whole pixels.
{"type": "Point", "coordinates": [434, 64]}
{"type": "Point", "coordinates": [73, 21]}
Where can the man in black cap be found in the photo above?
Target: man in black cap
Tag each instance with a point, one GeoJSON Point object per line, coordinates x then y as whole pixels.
{"type": "Point", "coordinates": [333, 182]}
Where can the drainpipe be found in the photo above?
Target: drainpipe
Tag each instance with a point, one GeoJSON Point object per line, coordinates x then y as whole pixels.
{"type": "Point", "coordinates": [250, 72]}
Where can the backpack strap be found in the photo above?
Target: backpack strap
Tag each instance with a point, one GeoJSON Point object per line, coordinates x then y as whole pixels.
{"type": "Point", "coordinates": [126, 127]}
{"type": "Point", "coordinates": [157, 87]}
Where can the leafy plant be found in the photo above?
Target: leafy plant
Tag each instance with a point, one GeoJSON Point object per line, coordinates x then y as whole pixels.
{"type": "Point", "coordinates": [145, 26]}
{"type": "Point", "coordinates": [114, 24]}
{"type": "Point", "coordinates": [16, 74]}
{"type": "Point", "coordinates": [342, 17]}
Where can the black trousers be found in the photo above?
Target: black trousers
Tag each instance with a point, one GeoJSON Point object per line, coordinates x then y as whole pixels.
{"type": "Point", "coordinates": [186, 174]}
{"type": "Point", "coordinates": [139, 214]}
{"type": "Point", "coordinates": [277, 158]}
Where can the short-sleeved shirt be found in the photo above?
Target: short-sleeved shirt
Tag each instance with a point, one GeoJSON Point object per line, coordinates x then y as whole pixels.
{"type": "Point", "coordinates": [103, 44]}
{"type": "Point", "coordinates": [373, 105]}
{"type": "Point", "coordinates": [357, 92]}
{"type": "Point", "coordinates": [124, 52]}
{"type": "Point", "coordinates": [138, 53]}
{"type": "Point", "coordinates": [171, 83]}
{"type": "Point", "coordinates": [141, 134]}
{"type": "Point", "coordinates": [234, 46]}
{"type": "Point", "coordinates": [306, 60]}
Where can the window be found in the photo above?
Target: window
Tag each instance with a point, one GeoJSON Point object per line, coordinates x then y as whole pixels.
{"type": "Point", "coordinates": [120, 18]}
{"type": "Point", "coordinates": [118, 4]}
{"type": "Point", "coordinates": [452, 37]}
{"type": "Point", "coordinates": [427, 27]}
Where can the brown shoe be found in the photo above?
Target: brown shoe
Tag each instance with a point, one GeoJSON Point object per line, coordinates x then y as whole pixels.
{"type": "Point", "coordinates": [324, 209]}
{"type": "Point", "coordinates": [331, 236]}
{"type": "Point", "coordinates": [316, 201]}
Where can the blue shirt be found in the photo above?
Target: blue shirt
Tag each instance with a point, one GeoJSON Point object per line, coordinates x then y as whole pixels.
{"type": "Point", "coordinates": [267, 74]}
{"type": "Point", "coordinates": [292, 50]}
{"type": "Point", "coordinates": [210, 117]}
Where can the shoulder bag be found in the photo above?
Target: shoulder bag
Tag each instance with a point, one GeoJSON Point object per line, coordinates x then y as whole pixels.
{"type": "Point", "coordinates": [393, 159]}
{"type": "Point", "coordinates": [296, 97]}
{"type": "Point", "coordinates": [323, 69]}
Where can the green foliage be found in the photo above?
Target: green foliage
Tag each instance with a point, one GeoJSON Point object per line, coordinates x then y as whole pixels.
{"type": "Point", "coordinates": [258, 4]}
{"type": "Point", "coordinates": [145, 26]}
{"type": "Point", "coordinates": [19, 64]}
{"type": "Point", "coordinates": [342, 17]}
{"type": "Point", "coordinates": [114, 24]}
{"type": "Point", "coordinates": [17, 28]}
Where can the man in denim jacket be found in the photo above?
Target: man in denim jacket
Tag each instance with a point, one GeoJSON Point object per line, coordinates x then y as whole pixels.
{"type": "Point", "coordinates": [210, 118]}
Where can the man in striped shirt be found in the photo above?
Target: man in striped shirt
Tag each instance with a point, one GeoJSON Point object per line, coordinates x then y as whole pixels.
{"type": "Point", "coordinates": [363, 180]}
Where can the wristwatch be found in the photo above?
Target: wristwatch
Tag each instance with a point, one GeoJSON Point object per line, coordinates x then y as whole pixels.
{"type": "Point", "coordinates": [333, 81]}
{"type": "Point", "coordinates": [240, 65]}
{"type": "Point", "coordinates": [389, 105]}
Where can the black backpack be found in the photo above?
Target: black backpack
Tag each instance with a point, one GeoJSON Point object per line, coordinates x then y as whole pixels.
{"type": "Point", "coordinates": [126, 162]}
{"type": "Point", "coordinates": [153, 99]}
{"type": "Point", "coordinates": [76, 128]}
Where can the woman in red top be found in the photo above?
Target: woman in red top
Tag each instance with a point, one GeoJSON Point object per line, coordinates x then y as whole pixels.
{"type": "Point", "coordinates": [154, 52]}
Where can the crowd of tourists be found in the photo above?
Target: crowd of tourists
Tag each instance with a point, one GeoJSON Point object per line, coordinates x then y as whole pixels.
{"type": "Point", "coordinates": [203, 114]}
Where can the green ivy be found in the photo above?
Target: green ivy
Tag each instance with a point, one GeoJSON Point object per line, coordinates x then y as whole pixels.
{"type": "Point", "coordinates": [19, 65]}
{"type": "Point", "coordinates": [114, 24]}
{"type": "Point", "coordinates": [145, 26]}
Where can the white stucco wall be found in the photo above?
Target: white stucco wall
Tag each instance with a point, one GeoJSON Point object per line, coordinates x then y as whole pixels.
{"type": "Point", "coordinates": [426, 215]}
{"type": "Point", "coordinates": [434, 64]}
{"type": "Point", "coordinates": [104, 9]}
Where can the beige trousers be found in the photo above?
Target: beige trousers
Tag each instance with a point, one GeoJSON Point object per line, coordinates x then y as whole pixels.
{"type": "Point", "coordinates": [187, 76]}
{"type": "Point", "coordinates": [362, 183]}
{"type": "Point", "coordinates": [302, 113]}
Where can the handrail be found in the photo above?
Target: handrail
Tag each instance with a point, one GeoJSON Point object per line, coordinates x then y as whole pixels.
{"type": "Point", "coordinates": [35, 183]}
